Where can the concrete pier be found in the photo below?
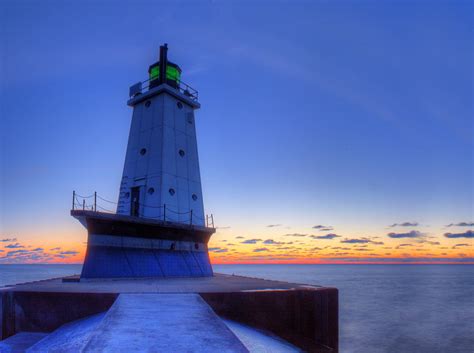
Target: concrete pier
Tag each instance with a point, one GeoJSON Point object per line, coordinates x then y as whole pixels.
{"type": "Point", "coordinates": [160, 323]}
{"type": "Point", "coordinates": [305, 316]}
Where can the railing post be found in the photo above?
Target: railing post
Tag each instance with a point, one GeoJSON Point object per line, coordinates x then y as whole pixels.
{"type": "Point", "coordinates": [95, 201]}
{"type": "Point", "coordinates": [83, 204]}
{"type": "Point", "coordinates": [191, 219]}
{"type": "Point", "coordinates": [164, 212]}
{"type": "Point", "coordinates": [207, 220]}
{"type": "Point", "coordinates": [212, 219]}
{"type": "Point", "coordinates": [73, 198]}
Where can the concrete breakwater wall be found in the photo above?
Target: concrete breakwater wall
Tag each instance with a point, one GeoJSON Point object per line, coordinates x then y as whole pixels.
{"type": "Point", "coordinates": [305, 317]}
{"type": "Point", "coordinates": [46, 311]}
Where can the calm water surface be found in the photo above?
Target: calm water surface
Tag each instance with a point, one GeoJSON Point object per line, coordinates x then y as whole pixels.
{"type": "Point", "coordinates": [383, 308]}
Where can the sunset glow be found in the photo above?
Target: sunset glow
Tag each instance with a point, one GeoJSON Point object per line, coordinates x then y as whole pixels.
{"type": "Point", "coordinates": [327, 133]}
{"type": "Point", "coordinates": [279, 244]}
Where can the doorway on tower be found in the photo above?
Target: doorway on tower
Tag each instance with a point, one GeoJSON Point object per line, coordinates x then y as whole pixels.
{"type": "Point", "coordinates": [135, 201]}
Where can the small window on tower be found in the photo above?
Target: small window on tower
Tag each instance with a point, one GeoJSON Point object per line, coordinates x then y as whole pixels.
{"type": "Point", "coordinates": [151, 191]}
{"type": "Point", "coordinates": [181, 153]}
{"type": "Point", "coordinates": [143, 151]}
{"type": "Point", "coordinates": [127, 195]}
{"type": "Point", "coordinates": [147, 104]}
{"type": "Point", "coordinates": [180, 105]}
{"type": "Point", "coordinates": [171, 191]}
{"type": "Point", "coordinates": [194, 197]}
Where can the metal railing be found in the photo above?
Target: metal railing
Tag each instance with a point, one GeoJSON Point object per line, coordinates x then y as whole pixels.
{"type": "Point", "coordinates": [94, 203]}
{"type": "Point", "coordinates": [144, 86]}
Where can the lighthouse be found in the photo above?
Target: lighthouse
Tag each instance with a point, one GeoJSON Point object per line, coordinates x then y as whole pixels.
{"type": "Point", "coordinates": [159, 228]}
{"type": "Point", "coordinates": [161, 171]}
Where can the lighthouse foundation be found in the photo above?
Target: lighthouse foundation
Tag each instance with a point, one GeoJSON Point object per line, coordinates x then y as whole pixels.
{"type": "Point", "coordinates": [121, 246]}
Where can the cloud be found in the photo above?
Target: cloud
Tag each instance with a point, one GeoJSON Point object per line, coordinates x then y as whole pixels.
{"type": "Point", "coordinates": [461, 224]}
{"type": "Point", "coordinates": [54, 249]}
{"type": "Point", "coordinates": [239, 237]}
{"type": "Point", "coordinates": [295, 235]}
{"type": "Point", "coordinates": [227, 227]}
{"type": "Point", "coordinates": [404, 224]}
{"type": "Point", "coordinates": [15, 252]}
{"type": "Point", "coordinates": [218, 250]}
{"type": "Point", "coordinates": [363, 240]}
{"type": "Point", "coordinates": [403, 246]}
{"type": "Point", "coordinates": [69, 252]}
{"type": "Point", "coordinates": [412, 234]}
{"type": "Point", "coordinates": [467, 234]}
{"type": "Point", "coordinates": [273, 242]}
{"type": "Point", "coordinates": [27, 256]}
{"type": "Point", "coordinates": [459, 245]}
{"type": "Point", "coordinates": [429, 242]}
{"type": "Point", "coordinates": [6, 240]}
{"type": "Point", "coordinates": [355, 241]}
{"type": "Point", "coordinates": [322, 228]}
{"type": "Point", "coordinates": [327, 236]}
{"type": "Point", "coordinates": [14, 246]}
{"type": "Point", "coordinates": [260, 249]}
{"type": "Point", "coordinates": [273, 225]}
{"type": "Point", "coordinates": [250, 241]}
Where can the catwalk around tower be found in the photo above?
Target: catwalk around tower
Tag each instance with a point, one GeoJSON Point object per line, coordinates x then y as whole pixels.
{"type": "Point", "coordinates": [159, 228]}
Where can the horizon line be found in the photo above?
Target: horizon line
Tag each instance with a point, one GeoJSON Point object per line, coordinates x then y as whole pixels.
{"type": "Point", "coordinates": [289, 263]}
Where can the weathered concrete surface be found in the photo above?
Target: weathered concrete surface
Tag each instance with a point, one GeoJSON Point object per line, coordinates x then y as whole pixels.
{"type": "Point", "coordinates": [20, 342]}
{"type": "Point", "coordinates": [257, 341]}
{"type": "Point", "coordinates": [217, 283]}
{"type": "Point", "coordinates": [306, 318]}
{"type": "Point", "coordinates": [46, 311]}
{"type": "Point", "coordinates": [162, 323]}
{"type": "Point", "coordinates": [71, 337]}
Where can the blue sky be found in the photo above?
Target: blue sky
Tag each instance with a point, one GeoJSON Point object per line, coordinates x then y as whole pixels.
{"type": "Point", "coordinates": [353, 114]}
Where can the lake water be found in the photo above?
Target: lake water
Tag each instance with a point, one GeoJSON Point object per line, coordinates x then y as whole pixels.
{"type": "Point", "coordinates": [383, 308]}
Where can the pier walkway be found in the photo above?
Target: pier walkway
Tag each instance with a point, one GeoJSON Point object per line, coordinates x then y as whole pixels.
{"type": "Point", "coordinates": [162, 323]}
{"type": "Point", "coordinates": [138, 323]}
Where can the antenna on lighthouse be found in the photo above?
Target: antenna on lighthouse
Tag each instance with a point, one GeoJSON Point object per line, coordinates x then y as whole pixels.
{"type": "Point", "coordinates": [163, 62]}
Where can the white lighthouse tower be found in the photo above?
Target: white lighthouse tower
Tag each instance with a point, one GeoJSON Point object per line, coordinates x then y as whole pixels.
{"type": "Point", "coordinates": [161, 177]}
{"type": "Point", "coordinates": [159, 228]}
